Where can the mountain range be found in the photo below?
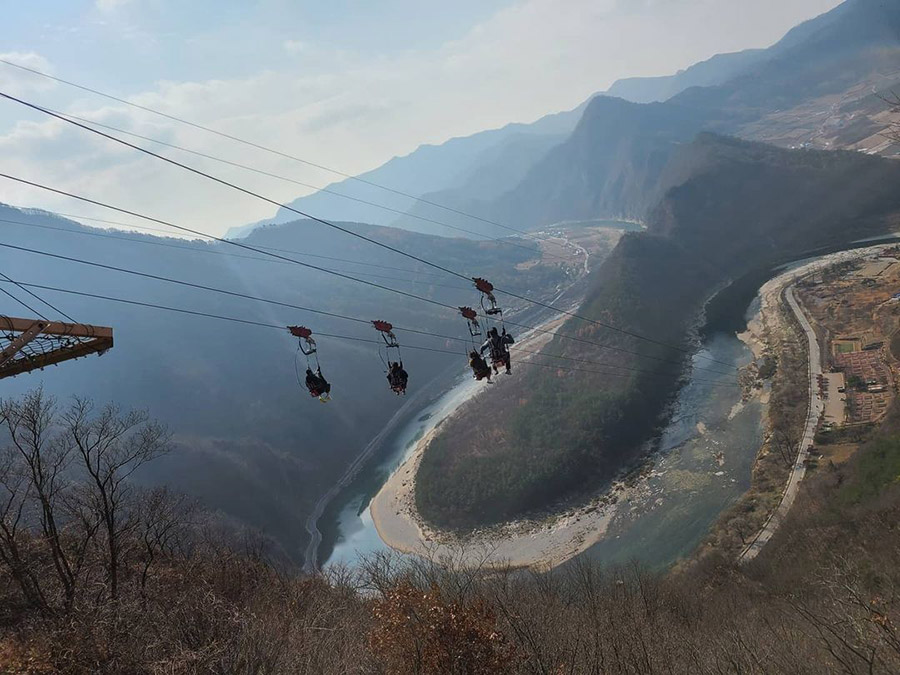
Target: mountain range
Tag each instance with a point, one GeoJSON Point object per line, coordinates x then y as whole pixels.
{"type": "Point", "coordinates": [814, 90]}
{"type": "Point", "coordinates": [816, 87]}
{"type": "Point", "coordinates": [716, 207]}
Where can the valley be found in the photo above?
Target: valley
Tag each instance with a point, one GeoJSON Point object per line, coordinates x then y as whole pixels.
{"type": "Point", "coordinates": [576, 248]}
{"type": "Point", "coordinates": [690, 475]}
{"type": "Point", "coordinates": [699, 454]}
{"type": "Point", "coordinates": [698, 473]}
{"type": "Point", "coordinates": [671, 230]}
{"type": "Point", "coordinates": [267, 461]}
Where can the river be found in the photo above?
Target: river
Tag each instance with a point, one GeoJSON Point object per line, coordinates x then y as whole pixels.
{"type": "Point", "coordinates": [691, 483]}
{"type": "Point", "coordinates": [348, 530]}
{"type": "Point", "coordinates": [704, 458]}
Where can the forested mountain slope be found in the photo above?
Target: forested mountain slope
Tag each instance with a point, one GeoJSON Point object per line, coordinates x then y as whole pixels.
{"type": "Point", "coordinates": [733, 206]}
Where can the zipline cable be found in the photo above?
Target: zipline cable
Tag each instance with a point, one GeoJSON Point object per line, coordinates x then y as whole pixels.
{"type": "Point", "coordinates": [41, 300]}
{"type": "Point", "coordinates": [262, 324]}
{"type": "Point", "coordinates": [338, 227]}
{"type": "Point", "coordinates": [258, 146]}
{"type": "Point", "coordinates": [233, 186]}
{"type": "Point", "coordinates": [209, 238]}
{"type": "Point", "coordinates": [318, 188]}
{"type": "Point", "coordinates": [194, 249]}
{"type": "Point", "coordinates": [254, 298]}
{"type": "Point", "coordinates": [22, 302]}
{"type": "Point", "coordinates": [327, 271]}
{"type": "Point", "coordinates": [341, 275]}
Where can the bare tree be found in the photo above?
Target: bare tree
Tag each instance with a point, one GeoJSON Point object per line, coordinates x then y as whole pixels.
{"type": "Point", "coordinates": [14, 497]}
{"type": "Point", "coordinates": [110, 447]}
{"type": "Point", "coordinates": [162, 520]}
{"type": "Point", "coordinates": [35, 477]}
{"type": "Point", "coordinates": [786, 443]}
{"type": "Point", "coordinates": [65, 496]}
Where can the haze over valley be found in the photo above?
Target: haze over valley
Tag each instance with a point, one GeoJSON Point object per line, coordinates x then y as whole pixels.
{"type": "Point", "coordinates": [689, 266]}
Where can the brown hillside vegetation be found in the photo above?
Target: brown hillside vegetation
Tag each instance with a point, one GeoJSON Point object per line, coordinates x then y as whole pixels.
{"type": "Point", "coordinates": [822, 597]}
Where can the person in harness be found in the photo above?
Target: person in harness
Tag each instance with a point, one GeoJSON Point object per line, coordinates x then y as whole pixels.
{"type": "Point", "coordinates": [397, 377]}
{"type": "Point", "coordinates": [480, 368]}
{"type": "Point", "coordinates": [498, 344]}
{"type": "Point", "coordinates": [318, 386]}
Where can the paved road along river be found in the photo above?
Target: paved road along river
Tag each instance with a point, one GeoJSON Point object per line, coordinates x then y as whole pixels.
{"type": "Point", "coordinates": [816, 407]}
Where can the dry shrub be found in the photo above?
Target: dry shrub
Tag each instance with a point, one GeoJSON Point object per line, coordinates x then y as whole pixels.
{"type": "Point", "coordinates": [823, 597]}
{"type": "Point", "coordinates": [422, 631]}
{"type": "Point", "coordinates": [24, 658]}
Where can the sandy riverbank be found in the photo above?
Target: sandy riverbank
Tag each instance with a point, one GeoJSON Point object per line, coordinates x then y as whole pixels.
{"type": "Point", "coordinates": [538, 544]}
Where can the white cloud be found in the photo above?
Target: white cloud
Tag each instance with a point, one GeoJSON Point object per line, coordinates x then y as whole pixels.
{"type": "Point", "coordinates": [110, 5]}
{"type": "Point", "coordinates": [14, 80]}
{"type": "Point", "coordinates": [294, 46]}
{"type": "Point", "coordinates": [353, 111]}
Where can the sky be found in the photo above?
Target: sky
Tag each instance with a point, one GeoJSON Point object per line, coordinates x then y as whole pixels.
{"type": "Point", "coordinates": [344, 83]}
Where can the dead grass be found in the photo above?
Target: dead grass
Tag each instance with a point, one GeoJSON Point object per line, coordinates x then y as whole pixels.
{"type": "Point", "coordinates": [838, 453]}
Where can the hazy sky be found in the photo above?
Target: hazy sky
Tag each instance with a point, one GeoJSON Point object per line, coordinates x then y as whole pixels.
{"type": "Point", "coordinates": [347, 83]}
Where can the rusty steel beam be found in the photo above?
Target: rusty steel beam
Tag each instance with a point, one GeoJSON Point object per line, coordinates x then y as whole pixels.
{"type": "Point", "coordinates": [56, 328]}
{"type": "Point", "coordinates": [93, 340]}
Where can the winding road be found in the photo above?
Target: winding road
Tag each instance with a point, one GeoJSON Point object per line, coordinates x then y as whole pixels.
{"type": "Point", "coordinates": [816, 406]}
